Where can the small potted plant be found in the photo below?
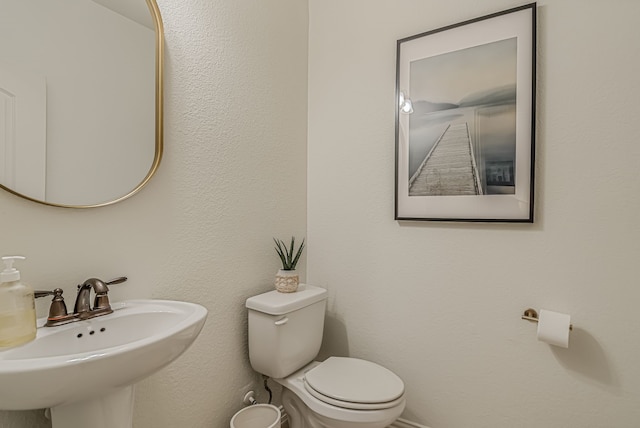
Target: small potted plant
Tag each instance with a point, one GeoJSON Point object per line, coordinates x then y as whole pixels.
{"type": "Point", "coordinates": [287, 278]}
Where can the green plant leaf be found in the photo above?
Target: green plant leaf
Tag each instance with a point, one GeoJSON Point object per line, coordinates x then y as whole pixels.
{"type": "Point", "coordinates": [289, 261]}
{"type": "Point", "coordinates": [295, 260]}
{"type": "Point", "coordinates": [279, 250]}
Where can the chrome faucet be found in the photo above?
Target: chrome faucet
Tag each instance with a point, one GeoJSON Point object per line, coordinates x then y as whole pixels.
{"type": "Point", "coordinates": [82, 310]}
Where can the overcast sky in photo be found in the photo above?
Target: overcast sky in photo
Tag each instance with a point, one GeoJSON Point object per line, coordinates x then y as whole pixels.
{"type": "Point", "coordinates": [448, 78]}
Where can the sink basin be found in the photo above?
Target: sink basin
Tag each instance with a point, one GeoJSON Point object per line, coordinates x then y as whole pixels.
{"type": "Point", "coordinates": [97, 357]}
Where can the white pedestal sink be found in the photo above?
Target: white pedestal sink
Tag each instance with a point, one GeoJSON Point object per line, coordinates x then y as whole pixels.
{"type": "Point", "coordinates": [85, 371]}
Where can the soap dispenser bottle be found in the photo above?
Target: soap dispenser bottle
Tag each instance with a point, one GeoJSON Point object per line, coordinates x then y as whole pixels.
{"type": "Point", "coordinates": [17, 307]}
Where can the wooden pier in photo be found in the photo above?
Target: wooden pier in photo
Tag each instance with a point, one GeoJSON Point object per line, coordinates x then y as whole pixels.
{"type": "Point", "coordinates": [449, 168]}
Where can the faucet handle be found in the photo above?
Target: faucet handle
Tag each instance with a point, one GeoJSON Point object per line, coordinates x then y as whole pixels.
{"type": "Point", "coordinates": [101, 300]}
{"type": "Point", "coordinates": [118, 280]}
{"type": "Point", "coordinates": [58, 308]}
{"type": "Point", "coordinates": [42, 293]}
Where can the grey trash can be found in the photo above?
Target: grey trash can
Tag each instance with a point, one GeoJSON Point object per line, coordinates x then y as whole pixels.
{"type": "Point", "coordinates": [257, 416]}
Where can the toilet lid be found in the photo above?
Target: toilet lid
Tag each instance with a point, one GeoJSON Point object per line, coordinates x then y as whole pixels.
{"type": "Point", "coordinates": [351, 380]}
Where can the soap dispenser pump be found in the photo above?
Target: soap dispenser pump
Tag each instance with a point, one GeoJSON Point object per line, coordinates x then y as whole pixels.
{"type": "Point", "coordinates": [17, 307]}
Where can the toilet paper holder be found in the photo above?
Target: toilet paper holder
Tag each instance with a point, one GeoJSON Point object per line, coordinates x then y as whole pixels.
{"type": "Point", "coordinates": [532, 315]}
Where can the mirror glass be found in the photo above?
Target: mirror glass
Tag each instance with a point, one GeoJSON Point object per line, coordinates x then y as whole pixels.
{"type": "Point", "coordinates": [80, 99]}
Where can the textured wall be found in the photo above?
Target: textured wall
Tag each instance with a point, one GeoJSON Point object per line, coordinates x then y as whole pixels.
{"type": "Point", "coordinates": [440, 304]}
{"type": "Point", "coordinates": [232, 177]}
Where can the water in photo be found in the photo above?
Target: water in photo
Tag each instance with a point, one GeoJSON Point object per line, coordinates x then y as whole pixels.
{"type": "Point", "coordinates": [462, 132]}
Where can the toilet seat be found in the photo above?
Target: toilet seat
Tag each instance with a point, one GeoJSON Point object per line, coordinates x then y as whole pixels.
{"type": "Point", "coordinates": [355, 384]}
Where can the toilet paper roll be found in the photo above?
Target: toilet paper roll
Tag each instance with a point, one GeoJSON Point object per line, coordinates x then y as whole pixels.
{"type": "Point", "coordinates": [553, 328]}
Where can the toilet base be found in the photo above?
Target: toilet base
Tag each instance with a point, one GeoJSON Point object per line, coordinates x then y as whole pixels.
{"type": "Point", "coordinates": [300, 416]}
{"type": "Point", "coordinates": [305, 411]}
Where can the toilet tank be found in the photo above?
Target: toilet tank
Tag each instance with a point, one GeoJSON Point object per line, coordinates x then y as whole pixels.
{"type": "Point", "coordinates": [285, 329]}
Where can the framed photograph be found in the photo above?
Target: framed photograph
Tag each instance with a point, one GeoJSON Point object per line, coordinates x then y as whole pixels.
{"type": "Point", "coordinates": [465, 120]}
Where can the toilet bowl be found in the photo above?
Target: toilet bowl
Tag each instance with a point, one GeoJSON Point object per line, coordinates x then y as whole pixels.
{"type": "Point", "coordinates": [285, 333]}
{"type": "Point", "coordinates": [346, 400]}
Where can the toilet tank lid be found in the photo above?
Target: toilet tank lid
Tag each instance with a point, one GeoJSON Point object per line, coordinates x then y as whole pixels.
{"type": "Point", "coordinates": [276, 303]}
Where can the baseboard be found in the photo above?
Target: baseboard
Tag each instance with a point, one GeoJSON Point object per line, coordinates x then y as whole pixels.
{"type": "Point", "coordinates": [399, 423]}
{"type": "Point", "coordinates": [403, 423]}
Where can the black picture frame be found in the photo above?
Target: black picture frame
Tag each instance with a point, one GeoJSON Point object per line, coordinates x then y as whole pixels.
{"type": "Point", "coordinates": [465, 120]}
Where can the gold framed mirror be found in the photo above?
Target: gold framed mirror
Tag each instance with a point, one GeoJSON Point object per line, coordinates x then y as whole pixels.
{"type": "Point", "coordinates": [81, 99]}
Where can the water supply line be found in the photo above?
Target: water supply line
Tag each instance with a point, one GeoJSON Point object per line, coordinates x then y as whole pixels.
{"type": "Point", "coordinates": [250, 400]}
{"type": "Point", "coordinates": [265, 379]}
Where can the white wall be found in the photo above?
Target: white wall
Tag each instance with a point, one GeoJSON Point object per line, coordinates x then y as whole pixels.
{"type": "Point", "coordinates": [233, 176]}
{"type": "Point", "coordinates": [440, 304]}
{"type": "Point", "coordinates": [437, 303]}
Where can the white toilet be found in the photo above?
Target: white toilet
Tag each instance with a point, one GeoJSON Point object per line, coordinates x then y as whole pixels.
{"type": "Point", "coordinates": [285, 333]}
